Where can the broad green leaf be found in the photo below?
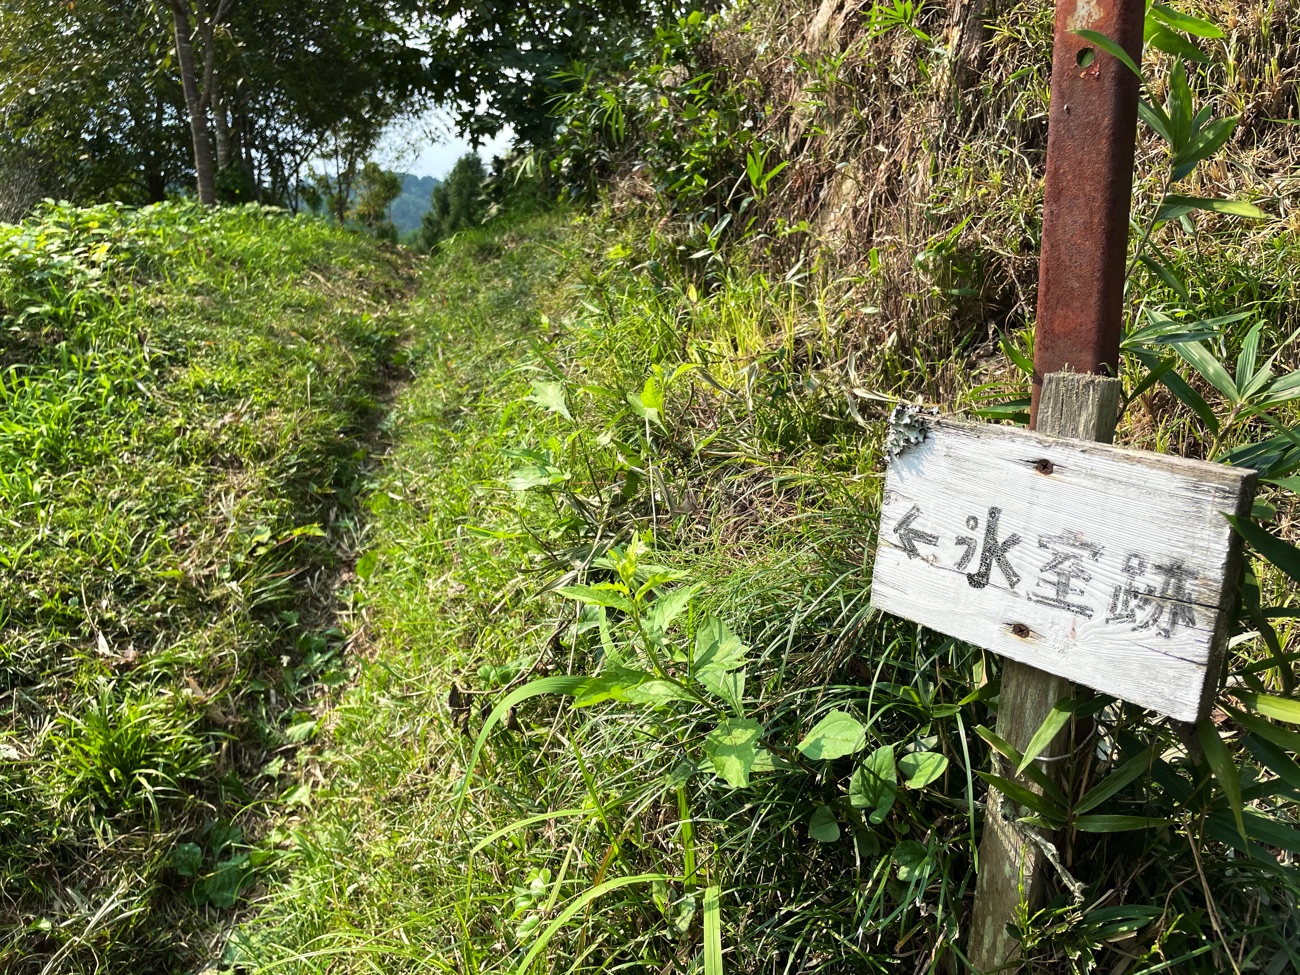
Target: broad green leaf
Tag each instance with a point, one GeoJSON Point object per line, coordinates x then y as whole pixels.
{"type": "Point", "coordinates": [1260, 828]}
{"type": "Point", "coordinates": [1186, 23]}
{"type": "Point", "coordinates": [221, 887]}
{"type": "Point", "coordinates": [823, 826]}
{"type": "Point", "coordinates": [726, 684]}
{"type": "Point", "coordinates": [1283, 390]}
{"type": "Point", "coordinates": [1164, 330]}
{"type": "Point", "coordinates": [1022, 796]}
{"type": "Point", "coordinates": [669, 606]}
{"type": "Point", "coordinates": [1268, 830]}
{"type": "Point", "coordinates": [1178, 106]}
{"type": "Point", "coordinates": [834, 736]}
{"type": "Point", "coordinates": [913, 862]}
{"type": "Point", "coordinates": [1018, 358]}
{"type": "Point", "coordinates": [600, 595]}
{"type": "Point", "coordinates": [1202, 146]}
{"type": "Point", "coordinates": [1272, 458]}
{"type": "Point", "coordinates": [1291, 484]}
{"type": "Point", "coordinates": [1271, 706]}
{"type": "Point", "coordinates": [187, 859]}
{"type": "Point", "coordinates": [1224, 768]}
{"type": "Point", "coordinates": [658, 693]}
{"type": "Point", "coordinates": [1274, 550]}
{"type": "Point", "coordinates": [732, 747]}
{"type": "Point", "coordinates": [614, 682]}
{"type": "Point", "coordinates": [1204, 362]}
{"type": "Point", "coordinates": [531, 476]}
{"type": "Point", "coordinates": [1248, 358]}
{"type": "Point", "coordinates": [717, 647]}
{"type": "Point", "coordinates": [1174, 206]}
{"type": "Point", "coordinates": [874, 784]}
{"type": "Point", "coordinates": [366, 565]}
{"type": "Point", "coordinates": [1155, 116]}
{"type": "Point", "coordinates": [1124, 920]}
{"type": "Point", "coordinates": [712, 931]}
{"type": "Point", "coordinates": [919, 769]}
{"type": "Point", "coordinates": [1277, 761]}
{"type": "Point", "coordinates": [1116, 824]}
{"type": "Point", "coordinates": [767, 762]}
{"type": "Point", "coordinates": [1174, 43]}
{"type": "Point", "coordinates": [1111, 48]}
{"type": "Point", "coordinates": [649, 403]}
{"type": "Point", "coordinates": [1016, 410]}
{"type": "Point", "coordinates": [656, 576]}
{"type": "Point", "coordinates": [549, 396]}
{"type": "Point", "coordinates": [1056, 719]}
{"type": "Point", "coordinates": [1013, 755]}
{"type": "Point", "coordinates": [1282, 740]}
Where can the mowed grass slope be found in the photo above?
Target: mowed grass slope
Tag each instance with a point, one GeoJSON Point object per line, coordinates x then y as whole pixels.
{"type": "Point", "coordinates": [186, 404]}
{"type": "Point", "coordinates": [585, 394]}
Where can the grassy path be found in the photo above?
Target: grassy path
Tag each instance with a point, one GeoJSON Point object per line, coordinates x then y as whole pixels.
{"type": "Point", "coordinates": [613, 460]}
{"type": "Point", "coordinates": [559, 660]}
{"type": "Point", "coordinates": [517, 454]}
{"type": "Point", "coordinates": [186, 399]}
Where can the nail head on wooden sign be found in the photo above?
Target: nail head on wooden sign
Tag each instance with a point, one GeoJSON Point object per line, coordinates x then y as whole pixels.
{"type": "Point", "coordinates": [1113, 568]}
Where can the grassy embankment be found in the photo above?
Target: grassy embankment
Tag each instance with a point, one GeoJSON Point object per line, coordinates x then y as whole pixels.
{"type": "Point", "coordinates": [550, 430]}
{"type": "Point", "coordinates": [186, 401]}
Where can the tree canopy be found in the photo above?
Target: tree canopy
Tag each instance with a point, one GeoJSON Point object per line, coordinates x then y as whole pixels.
{"type": "Point", "coordinates": [131, 99]}
{"type": "Point", "coordinates": [497, 61]}
{"type": "Point", "coordinates": [456, 203]}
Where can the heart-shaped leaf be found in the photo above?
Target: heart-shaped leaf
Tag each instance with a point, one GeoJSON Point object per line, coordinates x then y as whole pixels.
{"type": "Point", "coordinates": [834, 736]}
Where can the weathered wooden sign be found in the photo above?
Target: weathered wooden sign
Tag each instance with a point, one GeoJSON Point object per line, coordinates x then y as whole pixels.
{"type": "Point", "coordinates": [1113, 568]}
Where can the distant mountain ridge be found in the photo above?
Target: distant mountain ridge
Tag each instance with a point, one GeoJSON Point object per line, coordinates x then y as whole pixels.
{"type": "Point", "coordinates": [408, 208]}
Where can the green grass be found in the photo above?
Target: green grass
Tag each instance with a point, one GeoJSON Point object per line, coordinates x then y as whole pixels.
{"type": "Point", "coordinates": [531, 452]}
{"type": "Point", "coordinates": [280, 705]}
{"type": "Point", "coordinates": [187, 401]}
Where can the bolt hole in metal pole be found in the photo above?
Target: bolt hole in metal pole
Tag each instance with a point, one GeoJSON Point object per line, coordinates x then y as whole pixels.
{"type": "Point", "coordinates": [1085, 57]}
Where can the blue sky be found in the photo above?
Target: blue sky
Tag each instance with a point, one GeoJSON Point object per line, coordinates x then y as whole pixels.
{"type": "Point", "coordinates": [429, 147]}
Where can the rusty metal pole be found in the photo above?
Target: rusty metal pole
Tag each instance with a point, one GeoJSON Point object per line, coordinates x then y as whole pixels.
{"type": "Point", "coordinates": [1091, 137]}
{"type": "Point", "coordinates": [1091, 134]}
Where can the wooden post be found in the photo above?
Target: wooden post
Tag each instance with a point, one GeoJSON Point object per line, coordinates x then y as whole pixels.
{"type": "Point", "coordinates": [1082, 407]}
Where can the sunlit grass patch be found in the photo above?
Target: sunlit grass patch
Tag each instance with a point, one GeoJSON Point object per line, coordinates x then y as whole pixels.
{"type": "Point", "coordinates": [185, 401]}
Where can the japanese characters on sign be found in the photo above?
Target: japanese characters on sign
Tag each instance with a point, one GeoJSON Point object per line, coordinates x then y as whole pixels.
{"type": "Point", "coordinates": [1153, 595]}
{"type": "Point", "coordinates": [1110, 567]}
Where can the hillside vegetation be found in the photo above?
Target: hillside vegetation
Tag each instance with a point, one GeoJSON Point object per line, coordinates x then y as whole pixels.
{"type": "Point", "coordinates": [639, 608]}
{"type": "Point", "coordinates": [187, 399]}
{"type": "Point", "coordinates": [557, 655]}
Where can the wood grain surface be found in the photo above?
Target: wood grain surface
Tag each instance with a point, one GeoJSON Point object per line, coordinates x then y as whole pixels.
{"type": "Point", "coordinates": [1113, 568]}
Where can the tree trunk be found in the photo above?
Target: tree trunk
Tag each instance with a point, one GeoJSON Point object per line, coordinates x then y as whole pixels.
{"type": "Point", "coordinates": [967, 32]}
{"type": "Point", "coordinates": [199, 134]}
{"type": "Point", "coordinates": [222, 126]}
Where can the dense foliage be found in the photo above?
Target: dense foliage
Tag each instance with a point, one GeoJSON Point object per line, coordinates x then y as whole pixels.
{"type": "Point", "coordinates": [456, 203]}
{"type": "Point", "coordinates": [585, 676]}
{"type": "Point", "coordinates": [102, 103]}
{"type": "Point", "coordinates": [185, 397]}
